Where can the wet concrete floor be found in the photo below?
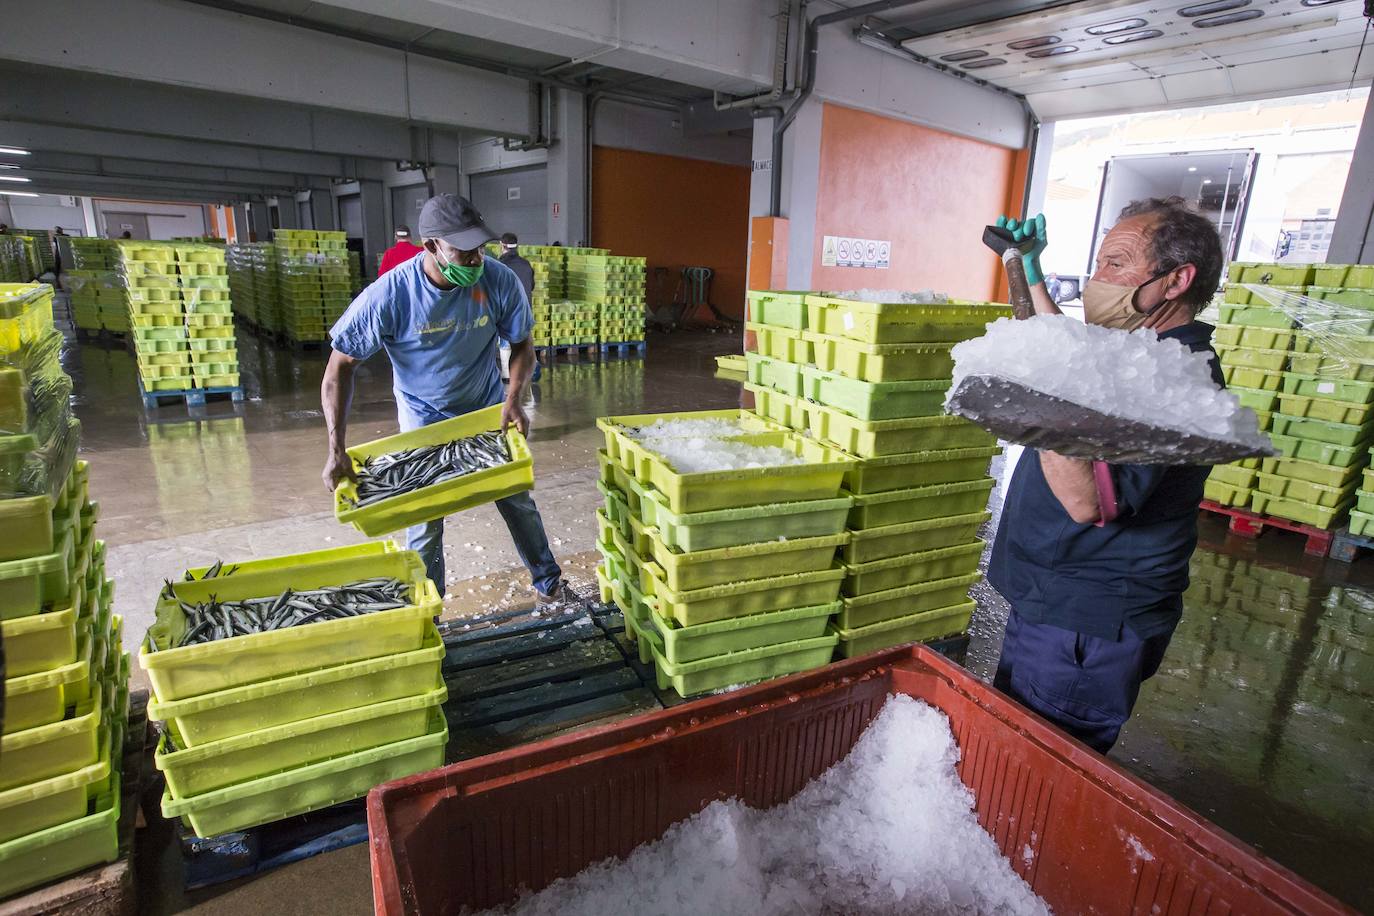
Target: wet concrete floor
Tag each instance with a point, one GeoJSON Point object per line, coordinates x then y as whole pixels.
{"type": "Point", "coordinates": [1261, 719]}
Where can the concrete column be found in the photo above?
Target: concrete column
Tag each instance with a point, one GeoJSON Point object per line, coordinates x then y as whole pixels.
{"type": "Point", "coordinates": [375, 236]}
{"type": "Point", "coordinates": [1352, 238]}
{"type": "Point", "coordinates": [567, 170]}
{"type": "Point", "coordinates": [262, 225]}
{"type": "Point", "coordinates": [88, 217]}
{"type": "Point", "coordinates": [322, 210]}
{"type": "Point", "coordinates": [286, 212]}
{"type": "Point", "coordinates": [445, 179]}
{"type": "Point", "coordinates": [801, 164]}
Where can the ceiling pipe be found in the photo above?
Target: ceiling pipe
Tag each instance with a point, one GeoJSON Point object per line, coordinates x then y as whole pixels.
{"type": "Point", "coordinates": [788, 12]}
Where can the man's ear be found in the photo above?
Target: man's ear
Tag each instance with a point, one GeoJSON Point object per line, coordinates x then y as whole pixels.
{"type": "Point", "coordinates": [1181, 281]}
{"type": "Point", "coordinates": [430, 245]}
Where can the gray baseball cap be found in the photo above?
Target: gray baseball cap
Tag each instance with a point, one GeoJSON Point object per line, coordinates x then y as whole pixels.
{"type": "Point", "coordinates": [455, 220]}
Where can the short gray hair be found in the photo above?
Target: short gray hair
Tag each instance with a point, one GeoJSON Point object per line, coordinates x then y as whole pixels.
{"type": "Point", "coordinates": [1181, 235]}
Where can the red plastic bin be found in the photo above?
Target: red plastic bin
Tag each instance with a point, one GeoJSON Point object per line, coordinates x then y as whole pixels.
{"type": "Point", "coordinates": [474, 833]}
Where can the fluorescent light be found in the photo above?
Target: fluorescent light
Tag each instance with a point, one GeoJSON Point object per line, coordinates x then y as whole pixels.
{"type": "Point", "coordinates": [13, 151]}
{"type": "Point", "coordinates": [1206, 181]}
{"type": "Point", "coordinates": [1192, 168]}
{"type": "Point", "coordinates": [8, 165]}
{"type": "Point", "coordinates": [17, 194]}
{"type": "Point", "coordinates": [14, 178]}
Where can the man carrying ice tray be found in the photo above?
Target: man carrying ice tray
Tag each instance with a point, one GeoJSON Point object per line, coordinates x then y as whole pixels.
{"type": "Point", "coordinates": [438, 317]}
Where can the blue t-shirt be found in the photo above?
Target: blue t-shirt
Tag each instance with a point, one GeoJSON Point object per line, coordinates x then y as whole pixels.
{"type": "Point", "coordinates": [441, 343]}
{"type": "Point", "coordinates": [1093, 579]}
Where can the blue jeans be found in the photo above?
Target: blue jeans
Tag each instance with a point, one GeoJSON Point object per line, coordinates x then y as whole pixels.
{"type": "Point", "coordinates": [1084, 684]}
{"type": "Point", "coordinates": [519, 513]}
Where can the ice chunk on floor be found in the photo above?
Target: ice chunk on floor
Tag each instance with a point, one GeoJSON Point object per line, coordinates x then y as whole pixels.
{"type": "Point", "coordinates": [1134, 376]}
{"type": "Point", "coordinates": [699, 454]}
{"type": "Point", "coordinates": [918, 296]}
{"type": "Point", "coordinates": [889, 829]}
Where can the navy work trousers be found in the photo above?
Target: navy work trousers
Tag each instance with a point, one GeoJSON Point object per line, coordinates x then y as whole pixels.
{"type": "Point", "coordinates": [1085, 685]}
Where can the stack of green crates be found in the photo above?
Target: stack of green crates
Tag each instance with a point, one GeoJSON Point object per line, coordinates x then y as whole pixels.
{"type": "Point", "coordinates": [18, 258]}
{"type": "Point", "coordinates": [97, 295]}
{"type": "Point", "coordinates": [550, 271]}
{"type": "Point", "coordinates": [204, 276]}
{"type": "Point", "coordinates": [265, 726]}
{"type": "Point", "coordinates": [355, 270]}
{"type": "Point", "coordinates": [313, 282]}
{"type": "Point", "coordinates": [555, 322]}
{"type": "Point", "coordinates": [1362, 516]}
{"type": "Point", "coordinates": [42, 245]}
{"type": "Point", "coordinates": [614, 287]}
{"type": "Point", "coordinates": [266, 290]}
{"type": "Point", "coordinates": [871, 378]}
{"type": "Point", "coordinates": [242, 289]}
{"type": "Point", "coordinates": [66, 673]}
{"type": "Point", "coordinates": [724, 577]}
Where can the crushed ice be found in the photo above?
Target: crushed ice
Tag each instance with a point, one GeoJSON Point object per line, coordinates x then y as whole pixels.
{"type": "Point", "coordinates": [1133, 376]}
{"type": "Point", "coordinates": [918, 296]}
{"type": "Point", "coordinates": [889, 829]}
{"type": "Point", "coordinates": [695, 446]}
{"type": "Point", "coordinates": [686, 429]}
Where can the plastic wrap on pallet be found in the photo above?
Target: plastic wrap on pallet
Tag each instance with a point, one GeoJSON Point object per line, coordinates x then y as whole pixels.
{"type": "Point", "coordinates": [32, 385]}
{"type": "Point", "coordinates": [1342, 334]}
{"type": "Point", "coordinates": [38, 464]}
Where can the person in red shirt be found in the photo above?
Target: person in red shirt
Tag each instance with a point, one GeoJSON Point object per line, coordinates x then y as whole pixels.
{"type": "Point", "coordinates": [402, 251]}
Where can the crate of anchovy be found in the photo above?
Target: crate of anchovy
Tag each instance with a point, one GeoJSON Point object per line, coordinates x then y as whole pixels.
{"type": "Point", "coordinates": [434, 471]}
{"type": "Point", "coordinates": [238, 624]}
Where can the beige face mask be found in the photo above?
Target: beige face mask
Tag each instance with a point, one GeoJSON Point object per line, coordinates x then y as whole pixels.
{"type": "Point", "coordinates": [1111, 305]}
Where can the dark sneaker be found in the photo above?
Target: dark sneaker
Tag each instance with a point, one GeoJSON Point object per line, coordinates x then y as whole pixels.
{"type": "Point", "coordinates": [562, 594]}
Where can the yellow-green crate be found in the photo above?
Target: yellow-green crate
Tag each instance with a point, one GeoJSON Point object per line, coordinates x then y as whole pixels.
{"type": "Point", "coordinates": [1250, 358]}
{"type": "Point", "coordinates": [881, 362]}
{"type": "Point", "coordinates": [904, 601]}
{"type": "Point", "coordinates": [42, 697]}
{"type": "Point", "coordinates": [1302, 491]}
{"type": "Point", "coordinates": [1345, 347]}
{"type": "Point", "coordinates": [165, 356]}
{"type": "Point", "coordinates": [1277, 274]}
{"type": "Point", "coordinates": [56, 748]}
{"type": "Point", "coordinates": [874, 400]}
{"type": "Point", "coordinates": [1347, 390]}
{"type": "Point", "coordinates": [869, 544]}
{"type": "Point", "coordinates": [1316, 516]}
{"type": "Point", "coordinates": [874, 438]}
{"type": "Point", "coordinates": [1327, 475]}
{"type": "Point", "coordinates": [200, 357]}
{"type": "Point", "coordinates": [900, 472]}
{"type": "Point", "coordinates": [679, 645]}
{"type": "Point", "coordinates": [1233, 476]}
{"type": "Point", "coordinates": [45, 855]}
{"type": "Point", "coordinates": [888, 323]}
{"type": "Point", "coordinates": [920, 627]}
{"type": "Point", "coordinates": [31, 584]}
{"type": "Point", "coordinates": [172, 383]}
{"type": "Point", "coordinates": [780, 408]}
{"type": "Point", "coordinates": [1255, 316]}
{"type": "Point", "coordinates": [1331, 366]}
{"type": "Point", "coordinates": [939, 500]}
{"type": "Point", "coordinates": [309, 788]}
{"type": "Point", "coordinates": [908, 569]}
{"type": "Point", "coordinates": [777, 307]}
{"type": "Point", "coordinates": [1257, 379]}
{"type": "Point", "coordinates": [1361, 523]}
{"type": "Point", "coordinates": [53, 800]}
{"type": "Point", "coordinates": [777, 342]}
{"type": "Point", "coordinates": [158, 373]}
{"type": "Point", "coordinates": [1345, 434]}
{"type": "Point", "coordinates": [738, 599]}
{"type": "Point", "coordinates": [758, 560]}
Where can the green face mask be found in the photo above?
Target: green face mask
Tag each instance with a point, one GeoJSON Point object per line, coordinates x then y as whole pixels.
{"type": "Point", "coordinates": [460, 274]}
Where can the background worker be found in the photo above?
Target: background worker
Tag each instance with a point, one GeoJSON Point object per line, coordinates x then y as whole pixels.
{"type": "Point", "coordinates": [438, 317]}
{"type": "Point", "coordinates": [1092, 557]}
{"type": "Point", "coordinates": [511, 257]}
{"type": "Point", "coordinates": [399, 253]}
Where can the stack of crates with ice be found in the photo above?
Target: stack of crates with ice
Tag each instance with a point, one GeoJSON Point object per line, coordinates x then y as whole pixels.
{"type": "Point", "coordinates": [147, 272]}
{"type": "Point", "coordinates": [65, 689]}
{"type": "Point", "coordinates": [262, 725]}
{"type": "Point", "coordinates": [18, 258]}
{"type": "Point", "coordinates": [718, 539]}
{"type": "Point", "coordinates": [313, 278]}
{"type": "Point", "coordinates": [870, 378]}
{"type": "Point", "coordinates": [204, 277]}
{"type": "Point", "coordinates": [97, 295]}
{"type": "Point", "coordinates": [1323, 418]}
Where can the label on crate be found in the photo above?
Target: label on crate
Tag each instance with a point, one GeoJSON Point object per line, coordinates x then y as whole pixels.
{"type": "Point", "coordinates": [848, 321]}
{"type": "Point", "coordinates": [1326, 388]}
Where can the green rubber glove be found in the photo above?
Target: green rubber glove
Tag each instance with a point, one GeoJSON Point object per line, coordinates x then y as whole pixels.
{"type": "Point", "coordinates": [1031, 228]}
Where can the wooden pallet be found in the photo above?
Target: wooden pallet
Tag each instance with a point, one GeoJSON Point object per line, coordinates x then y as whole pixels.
{"type": "Point", "coordinates": [191, 397]}
{"type": "Point", "coordinates": [1246, 524]}
{"type": "Point", "coordinates": [105, 890]}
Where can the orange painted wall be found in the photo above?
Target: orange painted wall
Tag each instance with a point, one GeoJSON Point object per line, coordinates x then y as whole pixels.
{"type": "Point", "coordinates": [676, 212]}
{"type": "Point", "coordinates": [928, 192]}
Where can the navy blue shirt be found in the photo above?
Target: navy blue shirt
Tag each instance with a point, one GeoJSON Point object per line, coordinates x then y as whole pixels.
{"type": "Point", "coordinates": [1093, 579]}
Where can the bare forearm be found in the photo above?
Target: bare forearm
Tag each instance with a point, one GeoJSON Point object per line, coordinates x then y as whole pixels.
{"type": "Point", "coordinates": [336, 396]}
{"type": "Point", "coordinates": [1071, 480]}
{"type": "Point", "coordinates": [1044, 304]}
{"type": "Point", "coordinates": [521, 369]}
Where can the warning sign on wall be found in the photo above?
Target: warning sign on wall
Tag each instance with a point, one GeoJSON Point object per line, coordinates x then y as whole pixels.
{"type": "Point", "coordinates": [845, 251]}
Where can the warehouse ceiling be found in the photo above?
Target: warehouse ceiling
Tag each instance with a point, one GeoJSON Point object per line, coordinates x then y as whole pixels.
{"type": "Point", "coordinates": [1109, 56]}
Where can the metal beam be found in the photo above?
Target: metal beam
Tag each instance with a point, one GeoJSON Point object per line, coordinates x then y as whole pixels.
{"type": "Point", "coordinates": [56, 98]}
{"type": "Point", "coordinates": [202, 48]}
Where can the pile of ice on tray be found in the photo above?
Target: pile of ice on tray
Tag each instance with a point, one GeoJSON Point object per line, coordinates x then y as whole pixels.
{"type": "Point", "coordinates": [915, 296]}
{"type": "Point", "coordinates": [889, 829]}
{"type": "Point", "coordinates": [1134, 376]}
{"type": "Point", "coordinates": [695, 446]}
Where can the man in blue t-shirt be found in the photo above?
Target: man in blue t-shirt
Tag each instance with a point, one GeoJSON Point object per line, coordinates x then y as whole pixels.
{"type": "Point", "coordinates": [1093, 557]}
{"type": "Point", "coordinates": [439, 316]}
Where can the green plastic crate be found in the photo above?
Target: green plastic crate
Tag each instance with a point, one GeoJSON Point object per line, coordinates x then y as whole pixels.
{"type": "Point", "coordinates": [874, 438]}
{"type": "Point", "coordinates": [1320, 430]}
{"type": "Point", "coordinates": [1361, 523]}
{"type": "Point", "coordinates": [59, 747]}
{"type": "Point", "coordinates": [29, 585]}
{"type": "Point", "coordinates": [1323, 453]}
{"type": "Point", "coordinates": [1239, 335]}
{"type": "Point", "coordinates": [901, 472]}
{"type": "Point", "coordinates": [774, 373]}
{"type": "Point", "coordinates": [236, 711]}
{"type": "Point", "coordinates": [681, 645]}
{"type": "Point", "coordinates": [733, 668]}
{"type": "Point", "coordinates": [1296, 405]}
{"type": "Point", "coordinates": [1349, 298]}
{"type": "Point", "coordinates": [1258, 379]}
{"type": "Point", "coordinates": [781, 308]}
{"type": "Point", "coordinates": [26, 529]}
{"type": "Point", "coordinates": [920, 627]}
{"type": "Point", "coordinates": [720, 602]}
{"type": "Point", "coordinates": [39, 642]}
{"type": "Point", "coordinates": [51, 801]}
{"type": "Point", "coordinates": [889, 323]}
{"type": "Point", "coordinates": [1268, 360]}
{"type": "Point", "coordinates": [1316, 516]}
{"type": "Point", "coordinates": [904, 601]}
{"type": "Point", "coordinates": [908, 569]}
{"type": "Point", "coordinates": [214, 666]}
{"type": "Point", "coordinates": [1233, 476]}
{"type": "Point", "coordinates": [441, 499]}
{"type": "Point", "coordinates": [777, 342]}
{"type": "Point", "coordinates": [732, 527]}
{"type": "Point", "coordinates": [309, 788]}
{"type": "Point", "coordinates": [919, 503]}
{"type": "Point", "coordinates": [40, 698]}
{"type": "Point", "coordinates": [778, 407]}
{"type": "Point", "coordinates": [1259, 316]}
{"type": "Point", "coordinates": [726, 565]}
{"type": "Point", "coordinates": [219, 764]}
{"type": "Point", "coordinates": [874, 400]}
{"type": "Point", "coordinates": [38, 858]}
{"type": "Point", "coordinates": [1255, 399]}
{"type": "Point", "coordinates": [1325, 474]}
{"type": "Point", "coordinates": [1277, 274]}
{"type": "Point", "coordinates": [1302, 491]}
{"type": "Point", "coordinates": [1351, 392]}
{"type": "Point", "coordinates": [870, 544]}
{"type": "Point", "coordinates": [881, 362]}
{"type": "Point", "coordinates": [1343, 346]}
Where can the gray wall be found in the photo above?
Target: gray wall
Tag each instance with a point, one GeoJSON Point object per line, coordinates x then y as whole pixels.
{"type": "Point", "coordinates": [524, 215]}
